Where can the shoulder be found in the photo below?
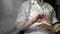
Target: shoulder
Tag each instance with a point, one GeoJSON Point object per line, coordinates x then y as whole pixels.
{"type": "Point", "coordinates": [25, 4]}
{"type": "Point", "coordinates": [48, 6]}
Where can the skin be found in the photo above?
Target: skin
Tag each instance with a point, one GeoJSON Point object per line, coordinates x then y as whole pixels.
{"type": "Point", "coordinates": [39, 2]}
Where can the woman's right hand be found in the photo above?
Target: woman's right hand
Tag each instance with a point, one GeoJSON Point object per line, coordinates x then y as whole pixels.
{"type": "Point", "coordinates": [40, 17]}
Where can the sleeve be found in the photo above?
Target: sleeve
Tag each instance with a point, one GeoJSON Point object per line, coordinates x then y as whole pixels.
{"type": "Point", "coordinates": [54, 19]}
{"type": "Point", "coordinates": [22, 14]}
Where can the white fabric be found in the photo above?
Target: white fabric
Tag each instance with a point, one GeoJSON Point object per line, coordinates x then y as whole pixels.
{"type": "Point", "coordinates": [35, 10]}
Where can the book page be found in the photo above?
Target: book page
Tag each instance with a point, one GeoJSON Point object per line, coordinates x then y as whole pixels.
{"type": "Point", "coordinates": [46, 25]}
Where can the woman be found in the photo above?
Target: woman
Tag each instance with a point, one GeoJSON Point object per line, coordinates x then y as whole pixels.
{"type": "Point", "coordinates": [39, 12]}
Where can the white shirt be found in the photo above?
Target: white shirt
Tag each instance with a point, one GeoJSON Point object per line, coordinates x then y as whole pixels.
{"type": "Point", "coordinates": [35, 10]}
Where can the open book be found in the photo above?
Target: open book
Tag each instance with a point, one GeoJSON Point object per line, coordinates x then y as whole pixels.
{"type": "Point", "coordinates": [46, 25]}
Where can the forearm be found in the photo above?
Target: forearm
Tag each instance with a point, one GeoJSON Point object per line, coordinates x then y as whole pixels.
{"type": "Point", "coordinates": [19, 25]}
{"type": "Point", "coordinates": [27, 25]}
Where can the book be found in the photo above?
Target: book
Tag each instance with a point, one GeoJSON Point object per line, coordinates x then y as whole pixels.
{"type": "Point", "coordinates": [46, 25]}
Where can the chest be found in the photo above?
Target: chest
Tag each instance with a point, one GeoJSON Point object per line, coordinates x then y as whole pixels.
{"type": "Point", "coordinates": [36, 9]}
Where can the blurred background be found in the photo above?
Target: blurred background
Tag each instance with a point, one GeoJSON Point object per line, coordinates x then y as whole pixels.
{"type": "Point", "coordinates": [9, 10]}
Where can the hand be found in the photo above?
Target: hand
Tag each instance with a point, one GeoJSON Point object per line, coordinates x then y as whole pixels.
{"type": "Point", "coordinates": [43, 17]}
{"type": "Point", "coordinates": [40, 18]}
{"type": "Point", "coordinates": [51, 31]}
{"type": "Point", "coordinates": [36, 18]}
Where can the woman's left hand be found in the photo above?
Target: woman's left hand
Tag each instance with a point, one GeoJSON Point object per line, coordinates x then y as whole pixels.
{"type": "Point", "coordinates": [51, 31]}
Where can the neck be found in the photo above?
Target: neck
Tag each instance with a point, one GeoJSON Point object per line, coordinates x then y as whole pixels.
{"type": "Point", "coordinates": [39, 2]}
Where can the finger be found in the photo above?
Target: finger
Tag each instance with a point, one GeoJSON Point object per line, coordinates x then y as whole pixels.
{"type": "Point", "coordinates": [43, 19]}
{"type": "Point", "coordinates": [50, 31]}
{"type": "Point", "coordinates": [38, 17]}
{"type": "Point", "coordinates": [41, 16]}
{"type": "Point", "coordinates": [39, 21]}
{"type": "Point", "coordinates": [46, 17]}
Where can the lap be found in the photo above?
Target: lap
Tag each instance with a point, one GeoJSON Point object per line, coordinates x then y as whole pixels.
{"type": "Point", "coordinates": [36, 31]}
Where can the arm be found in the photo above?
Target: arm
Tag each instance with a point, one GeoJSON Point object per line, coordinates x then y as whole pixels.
{"type": "Point", "coordinates": [29, 22]}
{"type": "Point", "coordinates": [27, 25]}
{"type": "Point", "coordinates": [54, 19]}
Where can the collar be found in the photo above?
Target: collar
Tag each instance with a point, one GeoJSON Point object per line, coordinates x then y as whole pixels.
{"type": "Point", "coordinates": [32, 1]}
